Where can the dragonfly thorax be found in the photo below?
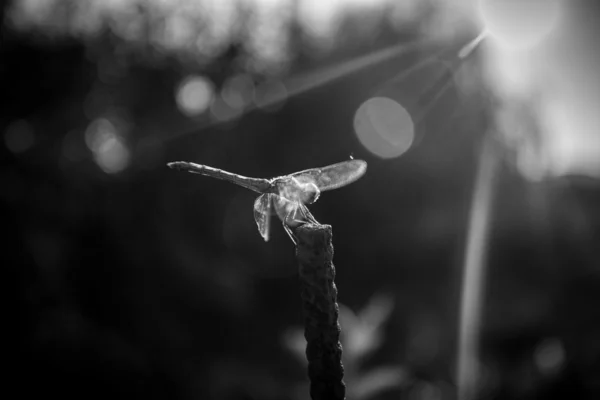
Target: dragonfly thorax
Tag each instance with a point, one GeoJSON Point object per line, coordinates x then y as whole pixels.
{"type": "Point", "coordinates": [311, 192]}
{"type": "Point", "coordinates": [298, 191]}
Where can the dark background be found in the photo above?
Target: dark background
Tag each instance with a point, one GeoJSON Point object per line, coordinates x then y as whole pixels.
{"type": "Point", "coordinates": [156, 284]}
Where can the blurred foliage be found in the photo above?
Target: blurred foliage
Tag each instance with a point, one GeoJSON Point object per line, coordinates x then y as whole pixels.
{"type": "Point", "coordinates": [151, 283]}
{"type": "Point", "coordinates": [362, 334]}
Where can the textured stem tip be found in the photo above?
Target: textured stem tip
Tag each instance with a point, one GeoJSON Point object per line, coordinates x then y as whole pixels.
{"type": "Point", "coordinates": [314, 251]}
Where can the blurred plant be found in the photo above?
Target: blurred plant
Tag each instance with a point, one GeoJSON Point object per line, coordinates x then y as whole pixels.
{"type": "Point", "coordinates": [362, 335]}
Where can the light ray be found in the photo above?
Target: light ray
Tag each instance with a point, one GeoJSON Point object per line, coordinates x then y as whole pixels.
{"type": "Point", "coordinates": [472, 45]}
{"type": "Point", "coordinates": [305, 82]}
{"type": "Point", "coordinates": [298, 85]}
{"type": "Point", "coordinates": [474, 273]}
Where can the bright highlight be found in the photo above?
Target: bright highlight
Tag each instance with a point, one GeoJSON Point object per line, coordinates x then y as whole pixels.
{"type": "Point", "coordinates": [519, 24]}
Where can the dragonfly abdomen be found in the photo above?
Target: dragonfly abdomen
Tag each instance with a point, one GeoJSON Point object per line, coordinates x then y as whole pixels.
{"type": "Point", "coordinates": [255, 184]}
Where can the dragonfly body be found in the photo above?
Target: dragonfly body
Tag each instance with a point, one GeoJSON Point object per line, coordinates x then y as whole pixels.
{"type": "Point", "coordinates": [286, 195]}
{"type": "Point", "coordinates": [258, 185]}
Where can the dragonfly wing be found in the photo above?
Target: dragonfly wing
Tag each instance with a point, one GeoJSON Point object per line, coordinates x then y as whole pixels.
{"type": "Point", "coordinates": [333, 176]}
{"type": "Point", "coordinates": [262, 214]}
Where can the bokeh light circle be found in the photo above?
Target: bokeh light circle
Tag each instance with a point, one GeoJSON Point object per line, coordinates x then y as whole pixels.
{"type": "Point", "coordinates": [110, 150]}
{"type": "Point", "coordinates": [19, 136]}
{"type": "Point", "coordinates": [384, 127]}
{"type": "Point", "coordinates": [194, 95]}
{"type": "Point", "coordinates": [238, 91]}
{"type": "Point", "coordinates": [549, 356]}
{"type": "Point", "coordinates": [519, 24]}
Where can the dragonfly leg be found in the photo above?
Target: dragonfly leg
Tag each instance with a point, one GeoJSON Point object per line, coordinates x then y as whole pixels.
{"type": "Point", "coordinates": [308, 217]}
{"type": "Point", "coordinates": [290, 233]}
{"type": "Point", "coordinates": [291, 220]}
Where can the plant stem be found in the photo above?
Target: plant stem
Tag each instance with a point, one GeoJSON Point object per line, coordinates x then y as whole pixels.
{"type": "Point", "coordinates": [314, 251]}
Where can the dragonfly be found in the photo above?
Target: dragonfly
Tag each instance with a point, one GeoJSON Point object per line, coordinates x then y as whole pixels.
{"type": "Point", "coordinates": [285, 196]}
